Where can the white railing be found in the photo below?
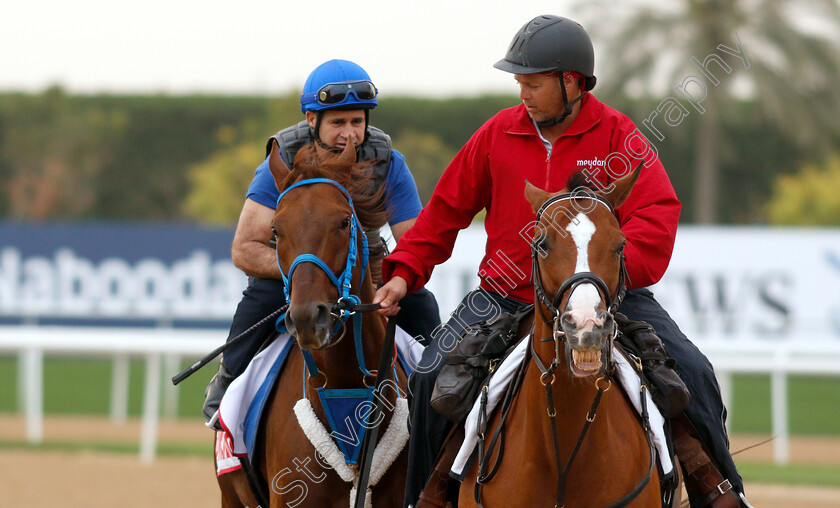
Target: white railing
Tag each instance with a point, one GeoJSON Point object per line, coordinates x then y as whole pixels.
{"type": "Point", "coordinates": [820, 358]}
{"type": "Point", "coordinates": [157, 345]}
{"type": "Point", "coordinates": [166, 346]}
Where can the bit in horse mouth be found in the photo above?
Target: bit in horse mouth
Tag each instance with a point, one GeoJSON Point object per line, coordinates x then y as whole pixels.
{"type": "Point", "coordinates": [586, 363]}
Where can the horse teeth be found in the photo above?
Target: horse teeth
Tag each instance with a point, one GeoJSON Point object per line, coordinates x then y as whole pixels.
{"type": "Point", "coordinates": [587, 360]}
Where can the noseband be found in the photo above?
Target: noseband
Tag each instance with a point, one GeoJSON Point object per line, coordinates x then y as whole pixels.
{"type": "Point", "coordinates": [342, 281]}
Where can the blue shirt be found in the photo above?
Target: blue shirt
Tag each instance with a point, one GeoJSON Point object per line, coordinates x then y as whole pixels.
{"type": "Point", "coordinates": [401, 196]}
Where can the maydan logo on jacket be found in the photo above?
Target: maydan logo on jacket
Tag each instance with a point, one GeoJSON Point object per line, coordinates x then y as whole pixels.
{"type": "Point", "coordinates": [591, 163]}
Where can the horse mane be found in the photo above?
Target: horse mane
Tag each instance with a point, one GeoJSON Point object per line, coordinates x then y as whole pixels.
{"type": "Point", "coordinates": [317, 161]}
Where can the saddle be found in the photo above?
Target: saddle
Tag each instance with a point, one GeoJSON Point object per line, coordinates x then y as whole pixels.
{"type": "Point", "coordinates": [480, 349]}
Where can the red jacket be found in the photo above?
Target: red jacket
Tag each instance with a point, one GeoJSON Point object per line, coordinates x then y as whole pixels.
{"type": "Point", "coordinates": [490, 172]}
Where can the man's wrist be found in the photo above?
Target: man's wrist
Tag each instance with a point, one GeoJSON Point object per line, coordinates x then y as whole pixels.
{"type": "Point", "coordinates": [405, 274]}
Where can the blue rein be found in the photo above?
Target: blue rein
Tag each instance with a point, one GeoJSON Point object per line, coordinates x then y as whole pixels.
{"type": "Point", "coordinates": [342, 281]}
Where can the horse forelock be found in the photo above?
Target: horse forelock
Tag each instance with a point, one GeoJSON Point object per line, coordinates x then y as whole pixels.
{"type": "Point", "coordinates": [315, 161]}
{"type": "Point", "coordinates": [579, 180]}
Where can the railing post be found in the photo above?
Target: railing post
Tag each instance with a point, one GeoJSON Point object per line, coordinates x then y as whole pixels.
{"type": "Point", "coordinates": [119, 388]}
{"type": "Point", "coordinates": [151, 409]}
{"type": "Point", "coordinates": [779, 403]}
{"type": "Point", "coordinates": [32, 373]}
{"type": "Point", "coordinates": [171, 366]}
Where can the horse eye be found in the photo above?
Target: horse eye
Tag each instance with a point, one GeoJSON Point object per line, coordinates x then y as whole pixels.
{"type": "Point", "coordinates": [620, 249]}
{"type": "Point", "coordinates": [541, 244]}
{"type": "Point", "coordinates": [273, 230]}
{"type": "Point", "coordinates": [345, 223]}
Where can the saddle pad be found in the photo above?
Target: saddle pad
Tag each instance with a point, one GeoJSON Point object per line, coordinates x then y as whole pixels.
{"type": "Point", "coordinates": [409, 350]}
{"type": "Point", "coordinates": [625, 373]}
{"type": "Point", "coordinates": [226, 462]}
{"type": "Point", "coordinates": [247, 394]}
{"type": "Point", "coordinates": [245, 398]}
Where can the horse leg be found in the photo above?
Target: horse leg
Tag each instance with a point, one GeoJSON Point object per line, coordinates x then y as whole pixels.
{"type": "Point", "coordinates": [236, 493]}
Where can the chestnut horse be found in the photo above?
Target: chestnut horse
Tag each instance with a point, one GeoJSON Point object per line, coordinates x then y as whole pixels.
{"type": "Point", "coordinates": [568, 439]}
{"type": "Point", "coordinates": [322, 252]}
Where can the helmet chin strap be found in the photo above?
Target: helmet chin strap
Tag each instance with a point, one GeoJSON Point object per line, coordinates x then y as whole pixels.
{"type": "Point", "coordinates": [567, 110]}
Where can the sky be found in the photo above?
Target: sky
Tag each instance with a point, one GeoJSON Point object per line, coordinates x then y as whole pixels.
{"type": "Point", "coordinates": [427, 48]}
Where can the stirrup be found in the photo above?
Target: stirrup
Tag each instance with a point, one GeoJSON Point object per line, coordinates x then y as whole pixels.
{"type": "Point", "coordinates": [213, 422]}
{"type": "Point", "coordinates": [744, 501]}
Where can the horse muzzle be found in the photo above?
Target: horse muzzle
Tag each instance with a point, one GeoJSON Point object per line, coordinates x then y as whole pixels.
{"type": "Point", "coordinates": [311, 324]}
{"type": "Point", "coordinates": [588, 347]}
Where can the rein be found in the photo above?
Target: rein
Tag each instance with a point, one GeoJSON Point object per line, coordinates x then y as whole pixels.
{"type": "Point", "coordinates": [546, 373]}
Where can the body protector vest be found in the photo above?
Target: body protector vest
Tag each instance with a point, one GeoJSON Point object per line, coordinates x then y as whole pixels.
{"type": "Point", "coordinates": [376, 147]}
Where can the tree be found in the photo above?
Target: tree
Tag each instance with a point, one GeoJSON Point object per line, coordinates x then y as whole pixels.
{"type": "Point", "coordinates": [710, 52]}
{"type": "Point", "coordinates": [807, 198]}
{"type": "Point", "coordinates": [427, 156]}
{"type": "Point", "coordinates": [54, 151]}
{"type": "Point", "coordinates": [218, 184]}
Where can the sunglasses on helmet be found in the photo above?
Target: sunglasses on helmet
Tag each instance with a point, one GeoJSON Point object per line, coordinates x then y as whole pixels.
{"type": "Point", "coordinates": [335, 93]}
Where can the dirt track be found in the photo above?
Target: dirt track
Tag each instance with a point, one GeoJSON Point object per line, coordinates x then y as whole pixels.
{"type": "Point", "coordinates": [88, 479]}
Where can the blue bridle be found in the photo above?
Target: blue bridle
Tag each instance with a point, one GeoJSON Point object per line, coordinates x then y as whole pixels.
{"type": "Point", "coordinates": [339, 404]}
{"type": "Point", "coordinates": [342, 282]}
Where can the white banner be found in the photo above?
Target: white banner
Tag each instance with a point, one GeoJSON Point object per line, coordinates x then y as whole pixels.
{"type": "Point", "coordinates": [724, 284]}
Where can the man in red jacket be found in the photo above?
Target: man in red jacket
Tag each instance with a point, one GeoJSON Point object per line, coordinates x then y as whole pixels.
{"type": "Point", "coordinates": [558, 130]}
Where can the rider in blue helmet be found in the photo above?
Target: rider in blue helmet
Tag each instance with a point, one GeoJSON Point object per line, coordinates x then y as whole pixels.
{"type": "Point", "coordinates": [336, 102]}
{"type": "Point", "coordinates": [339, 85]}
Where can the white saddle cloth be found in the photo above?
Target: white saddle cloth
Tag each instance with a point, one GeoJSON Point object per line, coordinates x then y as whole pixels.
{"type": "Point", "coordinates": [502, 378]}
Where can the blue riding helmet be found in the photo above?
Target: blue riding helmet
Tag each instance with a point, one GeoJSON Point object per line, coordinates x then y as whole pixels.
{"type": "Point", "coordinates": [338, 84]}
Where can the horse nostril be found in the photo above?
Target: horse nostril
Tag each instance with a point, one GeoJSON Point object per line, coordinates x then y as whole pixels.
{"type": "Point", "coordinates": [568, 320]}
{"type": "Point", "coordinates": [324, 316]}
{"type": "Point", "coordinates": [604, 318]}
{"type": "Point", "coordinates": [290, 325]}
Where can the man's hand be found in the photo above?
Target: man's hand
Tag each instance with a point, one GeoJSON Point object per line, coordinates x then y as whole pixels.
{"type": "Point", "coordinates": [389, 295]}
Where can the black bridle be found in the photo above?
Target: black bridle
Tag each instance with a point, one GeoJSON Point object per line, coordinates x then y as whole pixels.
{"type": "Point", "coordinates": [579, 278]}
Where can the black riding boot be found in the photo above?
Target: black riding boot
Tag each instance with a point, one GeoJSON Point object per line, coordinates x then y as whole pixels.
{"type": "Point", "coordinates": [213, 395]}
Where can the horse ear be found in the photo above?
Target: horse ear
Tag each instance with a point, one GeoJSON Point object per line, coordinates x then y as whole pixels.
{"type": "Point", "coordinates": [279, 170]}
{"type": "Point", "coordinates": [348, 156]}
{"type": "Point", "coordinates": [621, 188]}
{"type": "Point", "coordinates": [535, 196]}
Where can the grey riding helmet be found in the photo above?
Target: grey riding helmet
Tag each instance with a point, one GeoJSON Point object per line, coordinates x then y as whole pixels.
{"type": "Point", "coordinates": [551, 44]}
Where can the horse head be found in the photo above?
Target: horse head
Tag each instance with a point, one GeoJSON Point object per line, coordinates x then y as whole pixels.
{"type": "Point", "coordinates": [578, 268]}
{"type": "Point", "coordinates": [321, 247]}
